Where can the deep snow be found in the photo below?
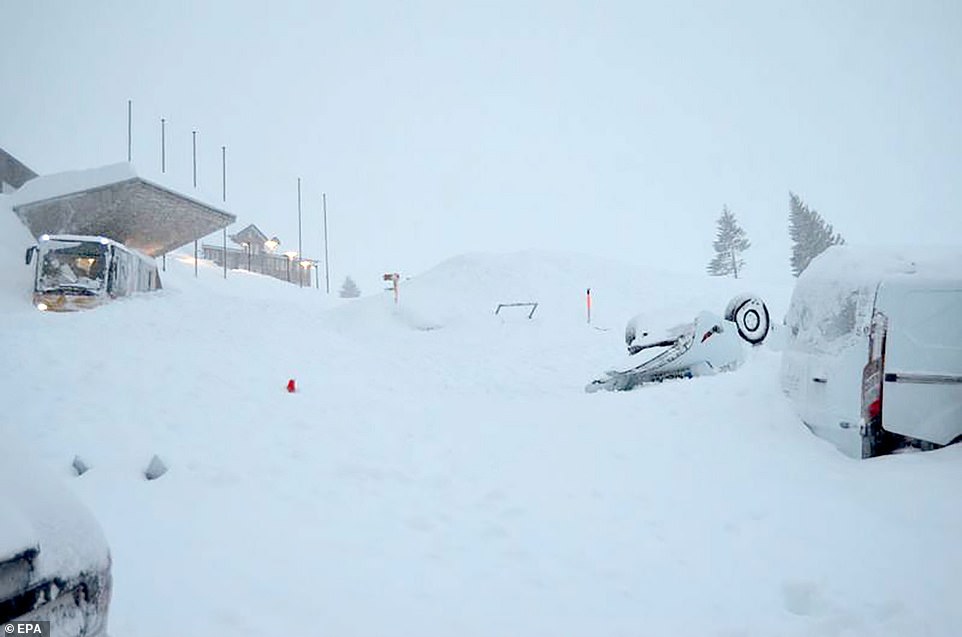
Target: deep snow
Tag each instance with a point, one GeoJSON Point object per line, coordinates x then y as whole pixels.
{"type": "Point", "coordinates": [441, 470]}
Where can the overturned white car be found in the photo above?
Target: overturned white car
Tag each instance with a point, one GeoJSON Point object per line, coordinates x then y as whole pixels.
{"type": "Point", "coordinates": [707, 345]}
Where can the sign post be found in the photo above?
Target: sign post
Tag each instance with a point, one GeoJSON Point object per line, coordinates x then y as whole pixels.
{"type": "Point", "coordinates": [393, 277]}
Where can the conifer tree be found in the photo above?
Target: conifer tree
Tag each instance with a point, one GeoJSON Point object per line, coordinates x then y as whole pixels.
{"type": "Point", "coordinates": [810, 235]}
{"type": "Point", "coordinates": [729, 243]}
{"type": "Point", "coordinates": [349, 289]}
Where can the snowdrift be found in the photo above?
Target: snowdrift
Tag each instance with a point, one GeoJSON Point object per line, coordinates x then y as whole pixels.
{"type": "Point", "coordinates": [465, 291]}
{"type": "Point", "coordinates": [16, 278]}
{"type": "Point", "coordinates": [454, 478]}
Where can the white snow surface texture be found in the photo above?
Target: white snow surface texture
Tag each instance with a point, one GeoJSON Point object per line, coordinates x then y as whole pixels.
{"type": "Point", "coordinates": [441, 471]}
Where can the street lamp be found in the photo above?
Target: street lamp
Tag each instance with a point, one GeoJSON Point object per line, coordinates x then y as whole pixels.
{"type": "Point", "coordinates": [269, 246]}
{"type": "Point", "coordinates": [290, 257]}
{"type": "Point", "coordinates": [306, 264]}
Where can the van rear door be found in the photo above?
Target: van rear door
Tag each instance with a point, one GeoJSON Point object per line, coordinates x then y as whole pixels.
{"type": "Point", "coordinates": [922, 389]}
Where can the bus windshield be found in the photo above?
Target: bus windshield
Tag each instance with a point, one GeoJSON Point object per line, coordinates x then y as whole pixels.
{"type": "Point", "coordinates": [77, 266]}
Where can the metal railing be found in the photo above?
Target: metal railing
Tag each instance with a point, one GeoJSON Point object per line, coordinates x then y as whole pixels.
{"type": "Point", "coordinates": [278, 266]}
{"type": "Point", "coordinates": [533, 306]}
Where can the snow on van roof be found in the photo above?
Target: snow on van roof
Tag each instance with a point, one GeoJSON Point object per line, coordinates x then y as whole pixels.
{"type": "Point", "coordinates": [833, 300]}
{"type": "Point", "coordinates": [867, 264]}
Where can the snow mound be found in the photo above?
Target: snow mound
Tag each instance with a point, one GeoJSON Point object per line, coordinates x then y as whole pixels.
{"type": "Point", "coordinates": [39, 512]}
{"type": "Point", "coordinates": [450, 460]}
{"type": "Point", "coordinates": [466, 290]}
{"type": "Point", "coordinates": [16, 277]}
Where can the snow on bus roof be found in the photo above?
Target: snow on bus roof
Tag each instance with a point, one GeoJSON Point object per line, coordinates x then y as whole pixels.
{"type": "Point", "coordinates": [87, 238]}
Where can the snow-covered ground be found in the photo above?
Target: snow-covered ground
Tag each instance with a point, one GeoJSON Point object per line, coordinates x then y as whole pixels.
{"type": "Point", "coordinates": [441, 471]}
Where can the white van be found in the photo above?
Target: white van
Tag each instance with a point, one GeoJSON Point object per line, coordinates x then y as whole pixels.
{"type": "Point", "coordinates": [872, 359]}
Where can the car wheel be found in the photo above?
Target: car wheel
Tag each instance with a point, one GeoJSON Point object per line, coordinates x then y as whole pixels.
{"type": "Point", "coordinates": [750, 316]}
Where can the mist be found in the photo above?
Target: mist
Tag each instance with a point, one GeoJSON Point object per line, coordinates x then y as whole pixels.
{"type": "Point", "coordinates": [618, 129]}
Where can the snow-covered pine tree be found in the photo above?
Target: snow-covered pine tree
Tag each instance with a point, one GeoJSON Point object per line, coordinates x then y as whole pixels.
{"type": "Point", "coordinates": [729, 243]}
{"type": "Point", "coordinates": [810, 235]}
{"type": "Point", "coordinates": [349, 289]}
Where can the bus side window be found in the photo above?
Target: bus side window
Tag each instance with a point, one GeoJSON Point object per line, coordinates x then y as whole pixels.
{"type": "Point", "coordinates": [112, 273]}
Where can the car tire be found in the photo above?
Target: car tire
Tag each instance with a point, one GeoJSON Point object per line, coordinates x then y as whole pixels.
{"type": "Point", "coordinates": [750, 316]}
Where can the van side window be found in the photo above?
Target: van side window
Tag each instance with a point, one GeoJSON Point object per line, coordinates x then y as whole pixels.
{"type": "Point", "coordinates": [796, 316]}
{"type": "Point", "coordinates": [841, 322]}
{"type": "Point", "coordinates": [823, 318]}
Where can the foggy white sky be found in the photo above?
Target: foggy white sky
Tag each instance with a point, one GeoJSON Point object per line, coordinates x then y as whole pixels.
{"type": "Point", "coordinates": [437, 127]}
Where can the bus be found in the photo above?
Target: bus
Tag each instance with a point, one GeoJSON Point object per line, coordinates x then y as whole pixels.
{"type": "Point", "coordinates": [75, 272]}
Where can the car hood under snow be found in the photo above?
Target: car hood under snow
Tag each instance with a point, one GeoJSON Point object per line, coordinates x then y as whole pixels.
{"type": "Point", "coordinates": [41, 514]}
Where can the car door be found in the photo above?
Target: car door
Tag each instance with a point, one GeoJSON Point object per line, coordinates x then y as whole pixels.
{"type": "Point", "coordinates": [922, 379]}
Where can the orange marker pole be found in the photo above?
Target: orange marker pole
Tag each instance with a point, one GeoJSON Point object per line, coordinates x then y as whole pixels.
{"type": "Point", "coordinates": [588, 301]}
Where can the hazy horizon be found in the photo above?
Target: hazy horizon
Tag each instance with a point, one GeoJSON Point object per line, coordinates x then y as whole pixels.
{"type": "Point", "coordinates": [618, 129]}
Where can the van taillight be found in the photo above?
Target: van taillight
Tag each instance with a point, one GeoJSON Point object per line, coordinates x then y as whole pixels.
{"type": "Point", "coordinates": [872, 375]}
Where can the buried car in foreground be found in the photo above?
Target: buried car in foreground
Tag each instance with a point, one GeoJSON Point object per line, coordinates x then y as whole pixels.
{"type": "Point", "coordinates": [708, 345]}
{"type": "Point", "coordinates": [873, 361]}
{"type": "Point", "coordinates": [54, 561]}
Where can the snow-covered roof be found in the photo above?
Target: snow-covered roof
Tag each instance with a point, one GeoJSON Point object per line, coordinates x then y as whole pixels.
{"type": "Point", "coordinates": [251, 234]}
{"type": "Point", "coordinates": [116, 202]}
{"type": "Point", "coordinates": [71, 182]}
